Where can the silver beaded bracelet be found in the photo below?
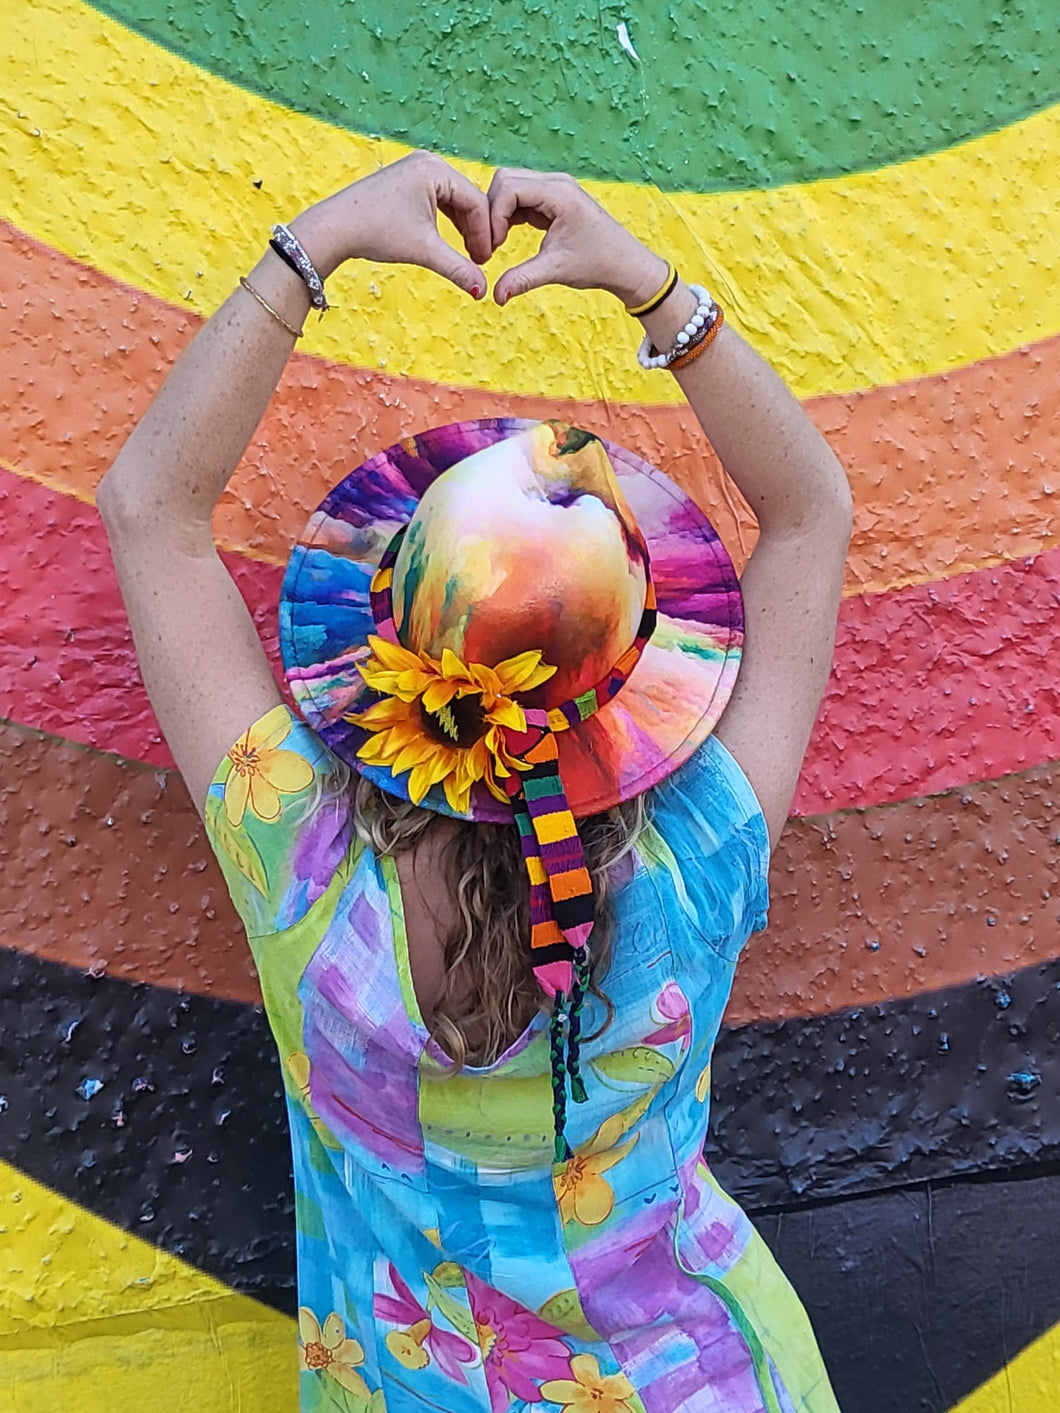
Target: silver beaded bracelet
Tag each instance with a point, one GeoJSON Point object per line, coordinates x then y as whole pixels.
{"type": "Point", "coordinates": [701, 321]}
{"type": "Point", "coordinates": [290, 248]}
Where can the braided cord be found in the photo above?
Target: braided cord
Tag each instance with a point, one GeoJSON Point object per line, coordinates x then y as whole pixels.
{"type": "Point", "coordinates": [574, 1034]}
{"type": "Point", "coordinates": [561, 1150]}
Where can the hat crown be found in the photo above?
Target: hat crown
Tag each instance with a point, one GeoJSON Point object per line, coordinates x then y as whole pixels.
{"type": "Point", "coordinates": [528, 544]}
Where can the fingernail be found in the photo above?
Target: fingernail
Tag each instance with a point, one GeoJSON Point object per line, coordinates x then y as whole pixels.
{"type": "Point", "coordinates": [476, 291]}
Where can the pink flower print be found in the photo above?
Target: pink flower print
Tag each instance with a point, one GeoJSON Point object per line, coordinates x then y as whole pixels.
{"type": "Point", "coordinates": [413, 1345]}
{"type": "Point", "coordinates": [670, 1009]}
{"type": "Point", "coordinates": [519, 1349]}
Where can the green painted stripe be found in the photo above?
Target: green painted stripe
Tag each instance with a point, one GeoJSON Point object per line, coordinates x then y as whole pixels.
{"type": "Point", "coordinates": [724, 96]}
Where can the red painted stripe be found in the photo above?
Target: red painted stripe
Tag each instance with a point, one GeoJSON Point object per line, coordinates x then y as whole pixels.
{"type": "Point", "coordinates": [934, 686]}
{"type": "Point", "coordinates": [67, 663]}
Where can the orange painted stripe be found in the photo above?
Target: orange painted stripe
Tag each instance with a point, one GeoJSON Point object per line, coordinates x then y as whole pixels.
{"type": "Point", "coordinates": [950, 473]}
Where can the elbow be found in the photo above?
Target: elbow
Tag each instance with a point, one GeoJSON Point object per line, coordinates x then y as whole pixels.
{"type": "Point", "coordinates": [833, 506]}
{"type": "Point", "coordinates": [117, 508]}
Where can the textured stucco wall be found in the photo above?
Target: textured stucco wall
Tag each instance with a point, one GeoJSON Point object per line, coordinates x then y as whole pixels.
{"type": "Point", "coordinates": [873, 194]}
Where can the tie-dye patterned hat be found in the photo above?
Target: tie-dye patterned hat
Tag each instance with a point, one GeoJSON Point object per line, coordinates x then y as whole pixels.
{"type": "Point", "coordinates": [514, 621]}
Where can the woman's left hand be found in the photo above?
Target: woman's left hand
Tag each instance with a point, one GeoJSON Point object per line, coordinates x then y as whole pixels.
{"type": "Point", "coordinates": [392, 217]}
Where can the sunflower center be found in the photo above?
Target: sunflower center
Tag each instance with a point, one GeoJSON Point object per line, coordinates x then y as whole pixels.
{"type": "Point", "coordinates": [461, 722]}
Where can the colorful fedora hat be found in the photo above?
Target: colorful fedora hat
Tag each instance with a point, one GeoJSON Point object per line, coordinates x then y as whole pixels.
{"type": "Point", "coordinates": [515, 621]}
{"type": "Point", "coordinates": [504, 538]}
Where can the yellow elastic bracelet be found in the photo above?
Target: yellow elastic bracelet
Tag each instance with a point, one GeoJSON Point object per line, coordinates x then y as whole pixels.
{"type": "Point", "coordinates": [659, 295]}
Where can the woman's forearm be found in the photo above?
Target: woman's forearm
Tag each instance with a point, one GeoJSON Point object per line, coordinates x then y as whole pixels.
{"type": "Point", "coordinates": [178, 460]}
{"type": "Point", "coordinates": [783, 466]}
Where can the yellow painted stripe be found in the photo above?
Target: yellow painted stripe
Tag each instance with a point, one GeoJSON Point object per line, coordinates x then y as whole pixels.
{"type": "Point", "coordinates": [93, 1320]}
{"type": "Point", "coordinates": [1030, 1383]}
{"type": "Point", "coordinates": [119, 153]}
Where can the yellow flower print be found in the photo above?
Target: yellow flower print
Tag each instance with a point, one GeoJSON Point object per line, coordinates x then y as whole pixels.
{"type": "Point", "coordinates": [703, 1084]}
{"type": "Point", "coordinates": [330, 1351]}
{"type": "Point", "coordinates": [590, 1391]}
{"type": "Point", "coordinates": [260, 773]}
{"type": "Point", "coordinates": [444, 721]}
{"type": "Point", "coordinates": [407, 1345]}
{"type": "Point", "coordinates": [584, 1195]}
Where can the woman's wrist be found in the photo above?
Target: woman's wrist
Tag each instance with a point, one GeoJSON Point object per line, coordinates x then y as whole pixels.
{"type": "Point", "coordinates": [664, 322]}
{"type": "Point", "coordinates": [642, 276]}
{"type": "Point", "coordinates": [322, 241]}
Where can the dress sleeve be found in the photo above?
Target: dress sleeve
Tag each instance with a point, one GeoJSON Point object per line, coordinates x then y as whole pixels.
{"type": "Point", "coordinates": [709, 824]}
{"type": "Point", "coordinates": [279, 819]}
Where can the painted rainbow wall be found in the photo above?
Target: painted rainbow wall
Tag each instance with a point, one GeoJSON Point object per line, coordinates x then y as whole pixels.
{"type": "Point", "coordinates": [873, 192]}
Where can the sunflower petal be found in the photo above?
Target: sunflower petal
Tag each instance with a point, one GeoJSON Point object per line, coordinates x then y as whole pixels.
{"type": "Point", "coordinates": [488, 682]}
{"type": "Point", "coordinates": [416, 752]}
{"type": "Point", "coordinates": [507, 713]}
{"type": "Point", "coordinates": [524, 672]}
{"type": "Point", "coordinates": [394, 656]}
{"type": "Point", "coordinates": [389, 712]}
{"type": "Point", "coordinates": [458, 794]}
{"type": "Point", "coordinates": [429, 772]}
{"type": "Point", "coordinates": [453, 670]}
{"type": "Point", "coordinates": [439, 693]}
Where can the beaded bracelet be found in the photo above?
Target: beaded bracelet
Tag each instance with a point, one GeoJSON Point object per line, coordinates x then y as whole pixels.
{"type": "Point", "coordinates": [697, 328]}
{"type": "Point", "coordinates": [693, 350]}
{"type": "Point", "coordinates": [292, 252]}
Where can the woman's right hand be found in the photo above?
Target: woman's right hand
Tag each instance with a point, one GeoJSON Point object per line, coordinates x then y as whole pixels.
{"type": "Point", "coordinates": [392, 217]}
{"type": "Point", "coordinates": [584, 247]}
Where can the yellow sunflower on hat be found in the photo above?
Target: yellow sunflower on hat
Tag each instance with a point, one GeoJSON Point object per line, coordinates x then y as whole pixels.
{"type": "Point", "coordinates": [444, 721]}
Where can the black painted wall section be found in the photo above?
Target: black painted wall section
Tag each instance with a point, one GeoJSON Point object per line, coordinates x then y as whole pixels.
{"type": "Point", "coordinates": [956, 1081]}
{"type": "Point", "coordinates": [185, 1144]}
{"type": "Point", "coordinates": [163, 1113]}
{"type": "Point", "coordinates": [920, 1295]}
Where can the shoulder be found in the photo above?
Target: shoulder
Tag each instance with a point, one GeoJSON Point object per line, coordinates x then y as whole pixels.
{"type": "Point", "coordinates": [708, 842]}
{"type": "Point", "coordinates": [279, 817]}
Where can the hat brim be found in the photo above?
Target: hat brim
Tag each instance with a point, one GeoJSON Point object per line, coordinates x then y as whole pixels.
{"type": "Point", "coordinates": [668, 707]}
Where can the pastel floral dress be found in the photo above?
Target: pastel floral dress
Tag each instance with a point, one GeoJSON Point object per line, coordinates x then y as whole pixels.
{"type": "Point", "coordinates": [444, 1261]}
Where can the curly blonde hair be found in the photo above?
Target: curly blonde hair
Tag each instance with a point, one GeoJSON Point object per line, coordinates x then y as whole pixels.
{"type": "Point", "coordinates": [487, 952]}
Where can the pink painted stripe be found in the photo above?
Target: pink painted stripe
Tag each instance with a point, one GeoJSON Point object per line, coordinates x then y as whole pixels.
{"type": "Point", "coordinates": [933, 687]}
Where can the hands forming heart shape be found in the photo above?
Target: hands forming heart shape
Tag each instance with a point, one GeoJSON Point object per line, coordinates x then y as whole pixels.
{"type": "Point", "coordinates": [392, 217]}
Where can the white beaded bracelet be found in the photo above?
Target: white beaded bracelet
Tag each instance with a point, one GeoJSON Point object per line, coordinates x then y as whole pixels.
{"type": "Point", "coordinates": [703, 318]}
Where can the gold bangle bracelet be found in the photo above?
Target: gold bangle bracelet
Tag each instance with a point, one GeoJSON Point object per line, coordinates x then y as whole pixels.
{"type": "Point", "coordinates": [269, 309]}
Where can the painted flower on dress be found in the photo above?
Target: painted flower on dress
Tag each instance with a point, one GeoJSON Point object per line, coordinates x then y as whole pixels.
{"type": "Point", "coordinates": [413, 1346]}
{"type": "Point", "coordinates": [670, 1010]}
{"type": "Point", "coordinates": [260, 772]}
{"type": "Point", "coordinates": [328, 1350]}
{"type": "Point", "coordinates": [519, 1350]}
{"type": "Point", "coordinates": [583, 1193]}
{"type": "Point", "coordinates": [589, 1391]}
{"type": "Point", "coordinates": [444, 722]}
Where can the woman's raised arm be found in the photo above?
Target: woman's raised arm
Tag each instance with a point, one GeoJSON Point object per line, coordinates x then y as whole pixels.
{"type": "Point", "coordinates": [204, 668]}
{"type": "Point", "coordinates": [782, 465]}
